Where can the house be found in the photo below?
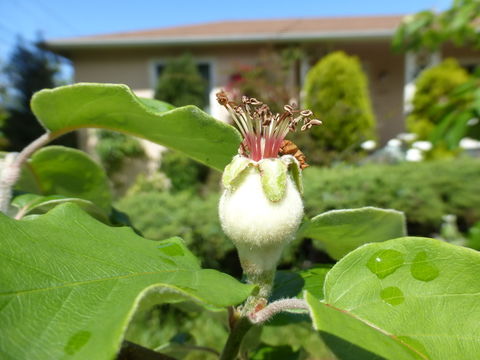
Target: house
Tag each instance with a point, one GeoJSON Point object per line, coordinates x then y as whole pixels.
{"type": "Point", "coordinates": [136, 58]}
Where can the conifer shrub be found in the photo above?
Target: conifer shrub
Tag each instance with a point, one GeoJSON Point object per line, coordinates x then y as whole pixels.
{"type": "Point", "coordinates": [433, 88]}
{"type": "Point", "coordinates": [181, 83]}
{"type": "Point", "coordinates": [336, 90]}
{"type": "Point", "coordinates": [183, 172]}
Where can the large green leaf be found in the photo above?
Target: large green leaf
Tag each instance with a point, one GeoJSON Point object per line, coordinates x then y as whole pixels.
{"type": "Point", "coordinates": [408, 298]}
{"type": "Point", "coordinates": [341, 231]}
{"type": "Point", "coordinates": [69, 284]}
{"type": "Point", "coordinates": [58, 170]}
{"type": "Point", "coordinates": [115, 107]}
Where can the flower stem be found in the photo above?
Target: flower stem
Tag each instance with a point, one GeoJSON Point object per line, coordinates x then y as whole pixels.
{"type": "Point", "coordinates": [232, 346]}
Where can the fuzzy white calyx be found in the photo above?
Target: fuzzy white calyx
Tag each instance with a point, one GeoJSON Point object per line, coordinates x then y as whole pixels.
{"type": "Point", "coordinates": [259, 227]}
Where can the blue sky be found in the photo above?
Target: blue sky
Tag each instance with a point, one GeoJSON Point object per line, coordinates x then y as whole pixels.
{"type": "Point", "coordinates": [60, 18]}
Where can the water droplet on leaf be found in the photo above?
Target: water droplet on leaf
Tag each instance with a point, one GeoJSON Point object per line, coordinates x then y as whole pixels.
{"type": "Point", "coordinates": [171, 249]}
{"type": "Point", "coordinates": [385, 262]}
{"type": "Point", "coordinates": [415, 344]}
{"type": "Point", "coordinates": [392, 295]}
{"type": "Point", "coordinates": [77, 341]}
{"type": "Point", "coordinates": [422, 268]}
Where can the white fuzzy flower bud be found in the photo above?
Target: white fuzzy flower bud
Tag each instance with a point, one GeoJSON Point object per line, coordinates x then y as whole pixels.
{"type": "Point", "coordinates": [261, 209]}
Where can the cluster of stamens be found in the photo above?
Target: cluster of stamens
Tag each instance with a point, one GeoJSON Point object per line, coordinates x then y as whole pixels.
{"type": "Point", "coordinates": [263, 132]}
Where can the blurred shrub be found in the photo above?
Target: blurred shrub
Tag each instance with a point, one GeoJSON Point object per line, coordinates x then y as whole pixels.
{"type": "Point", "coordinates": [113, 147]}
{"type": "Point", "coordinates": [183, 172]}
{"type": "Point", "coordinates": [424, 191]}
{"type": "Point", "coordinates": [459, 116]}
{"type": "Point", "coordinates": [181, 84]}
{"type": "Point", "coordinates": [157, 182]}
{"type": "Point", "coordinates": [433, 88]}
{"type": "Point", "coordinates": [336, 90]}
{"type": "Point", "coordinates": [159, 216]}
{"type": "Point", "coordinates": [429, 29]}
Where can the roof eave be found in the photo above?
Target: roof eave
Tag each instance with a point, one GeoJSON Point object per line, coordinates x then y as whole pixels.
{"type": "Point", "coordinates": [70, 44]}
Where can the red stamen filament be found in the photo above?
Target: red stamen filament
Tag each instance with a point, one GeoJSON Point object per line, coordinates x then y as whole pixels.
{"type": "Point", "coordinates": [262, 131]}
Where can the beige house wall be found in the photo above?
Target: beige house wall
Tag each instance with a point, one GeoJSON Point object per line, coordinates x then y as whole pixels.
{"type": "Point", "coordinates": [385, 69]}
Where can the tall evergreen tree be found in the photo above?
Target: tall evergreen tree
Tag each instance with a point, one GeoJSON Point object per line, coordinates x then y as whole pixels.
{"type": "Point", "coordinates": [29, 69]}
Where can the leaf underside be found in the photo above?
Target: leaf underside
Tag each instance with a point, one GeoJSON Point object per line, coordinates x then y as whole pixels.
{"type": "Point", "coordinates": [115, 107]}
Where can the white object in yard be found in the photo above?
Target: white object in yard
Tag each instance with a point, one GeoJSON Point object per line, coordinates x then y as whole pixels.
{"type": "Point", "coordinates": [145, 93]}
{"type": "Point", "coordinates": [472, 122]}
{"type": "Point", "coordinates": [407, 137]}
{"type": "Point", "coordinates": [469, 144]}
{"type": "Point", "coordinates": [414, 155]}
{"type": "Point", "coordinates": [422, 145]}
{"type": "Point", "coordinates": [369, 145]}
{"type": "Point", "coordinates": [394, 143]}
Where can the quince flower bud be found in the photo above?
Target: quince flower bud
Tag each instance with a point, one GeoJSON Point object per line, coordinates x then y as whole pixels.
{"type": "Point", "coordinates": [261, 209]}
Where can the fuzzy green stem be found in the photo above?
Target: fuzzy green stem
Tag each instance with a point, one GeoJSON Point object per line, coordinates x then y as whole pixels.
{"type": "Point", "coordinates": [11, 172]}
{"type": "Point", "coordinates": [264, 281]}
{"type": "Point", "coordinates": [232, 346]}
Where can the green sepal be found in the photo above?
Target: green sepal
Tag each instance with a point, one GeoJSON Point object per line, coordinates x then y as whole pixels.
{"type": "Point", "coordinates": [234, 170]}
{"type": "Point", "coordinates": [273, 174]}
{"type": "Point", "coordinates": [294, 170]}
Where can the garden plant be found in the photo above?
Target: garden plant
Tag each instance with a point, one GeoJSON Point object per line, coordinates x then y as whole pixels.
{"type": "Point", "coordinates": [71, 278]}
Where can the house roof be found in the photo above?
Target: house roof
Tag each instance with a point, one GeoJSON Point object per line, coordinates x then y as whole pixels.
{"type": "Point", "coordinates": [244, 31]}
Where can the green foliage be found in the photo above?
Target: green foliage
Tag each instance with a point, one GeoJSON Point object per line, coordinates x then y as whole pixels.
{"type": "Point", "coordinates": [181, 83]}
{"type": "Point", "coordinates": [429, 30]}
{"type": "Point", "coordinates": [183, 172]}
{"type": "Point", "coordinates": [423, 191]}
{"type": "Point", "coordinates": [54, 170]}
{"type": "Point", "coordinates": [87, 279]}
{"type": "Point", "coordinates": [456, 114]}
{"type": "Point", "coordinates": [193, 218]}
{"type": "Point", "coordinates": [70, 285]}
{"type": "Point", "coordinates": [113, 148]}
{"type": "Point", "coordinates": [115, 107]}
{"type": "Point", "coordinates": [336, 90]}
{"type": "Point", "coordinates": [157, 182]}
{"type": "Point", "coordinates": [404, 299]}
{"type": "Point", "coordinates": [474, 236]}
{"type": "Point", "coordinates": [183, 326]}
{"type": "Point", "coordinates": [284, 352]}
{"type": "Point", "coordinates": [433, 88]}
{"type": "Point", "coordinates": [354, 227]}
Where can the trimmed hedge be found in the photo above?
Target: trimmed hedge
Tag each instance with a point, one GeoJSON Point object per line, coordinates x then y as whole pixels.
{"type": "Point", "coordinates": [424, 191]}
